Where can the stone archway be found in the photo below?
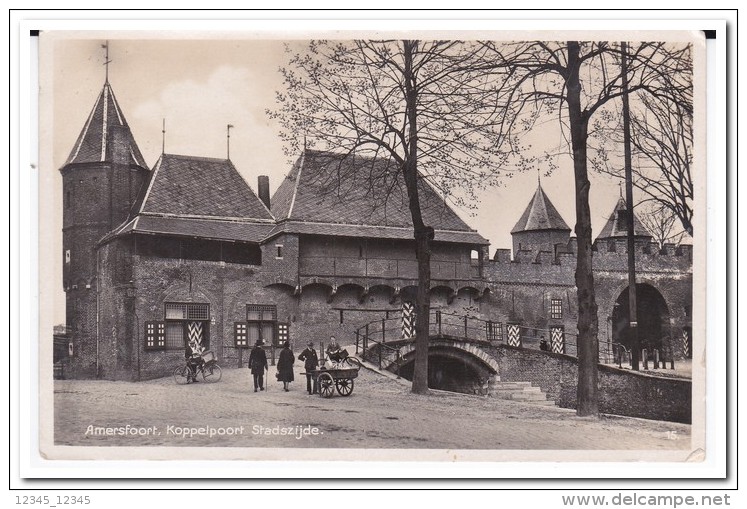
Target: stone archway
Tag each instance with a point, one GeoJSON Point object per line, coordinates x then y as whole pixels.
{"type": "Point", "coordinates": [654, 330]}
{"type": "Point", "coordinates": [452, 365]}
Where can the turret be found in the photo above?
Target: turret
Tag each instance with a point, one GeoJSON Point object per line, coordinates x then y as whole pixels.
{"type": "Point", "coordinates": [614, 234]}
{"type": "Point", "coordinates": [540, 228]}
{"type": "Point", "coordinates": [100, 183]}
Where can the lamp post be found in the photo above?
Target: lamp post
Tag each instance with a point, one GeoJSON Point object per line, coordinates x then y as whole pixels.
{"type": "Point", "coordinates": [632, 308]}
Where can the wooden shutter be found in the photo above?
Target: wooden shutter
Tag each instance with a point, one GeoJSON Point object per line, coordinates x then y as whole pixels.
{"type": "Point", "coordinates": [240, 338]}
{"type": "Point", "coordinates": [155, 335]}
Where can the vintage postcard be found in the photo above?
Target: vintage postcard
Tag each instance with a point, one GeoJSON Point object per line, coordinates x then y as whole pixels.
{"type": "Point", "coordinates": [372, 246]}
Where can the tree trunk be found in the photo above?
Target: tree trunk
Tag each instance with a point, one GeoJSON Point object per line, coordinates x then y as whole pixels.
{"type": "Point", "coordinates": [423, 238]}
{"type": "Point", "coordinates": [588, 342]}
{"type": "Point", "coordinates": [423, 233]}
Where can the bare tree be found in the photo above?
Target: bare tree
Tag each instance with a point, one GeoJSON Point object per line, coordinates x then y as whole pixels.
{"type": "Point", "coordinates": [425, 108]}
{"type": "Point", "coordinates": [662, 143]}
{"type": "Point", "coordinates": [660, 222]}
{"type": "Point", "coordinates": [575, 82]}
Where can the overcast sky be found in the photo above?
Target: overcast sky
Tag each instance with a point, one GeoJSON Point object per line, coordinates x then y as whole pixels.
{"type": "Point", "coordinates": [200, 86]}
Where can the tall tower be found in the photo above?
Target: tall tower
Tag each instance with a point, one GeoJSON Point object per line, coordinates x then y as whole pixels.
{"type": "Point", "coordinates": [101, 180]}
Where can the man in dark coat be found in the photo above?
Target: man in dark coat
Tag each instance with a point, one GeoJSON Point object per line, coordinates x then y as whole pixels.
{"type": "Point", "coordinates": [311, 362]}
{"type": "Point", "coordinates": [258, 365]}
{"type": "Point", "coordinates": [285, 365]}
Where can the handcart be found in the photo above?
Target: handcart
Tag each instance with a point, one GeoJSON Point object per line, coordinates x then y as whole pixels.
{"type": "Point", "coordinates": [341, 378]}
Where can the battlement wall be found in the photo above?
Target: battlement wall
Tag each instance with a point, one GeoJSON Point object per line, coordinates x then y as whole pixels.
{"type": "Point", "coordinates": [609, 255]}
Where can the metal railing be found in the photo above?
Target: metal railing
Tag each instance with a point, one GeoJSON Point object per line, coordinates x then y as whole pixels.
{"type": "Point", "coordinates": [650, 358]}
{"type": "Point", "coordinates": [379, 334]}
{"type": "Point", "coordinates": [394, 268]}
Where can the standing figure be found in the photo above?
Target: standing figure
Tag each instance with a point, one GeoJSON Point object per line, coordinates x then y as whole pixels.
{"type": "Point", "coordinates": [543, 345]}
{"type": "Point", "coordinates": [285, 365]}
{"type": "Point", "coordinates": [311, 362]}
{"type": "Point", "coordinates": [258, 365]}
{"type": "Point", "coordinates": [193, 354]}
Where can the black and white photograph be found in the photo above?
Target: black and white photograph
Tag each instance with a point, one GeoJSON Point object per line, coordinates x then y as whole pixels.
{"type": "Point", "coordinates": [446, 246]}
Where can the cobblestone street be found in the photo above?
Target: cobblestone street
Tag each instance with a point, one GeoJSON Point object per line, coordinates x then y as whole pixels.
{"type": "Point", "coordinates": [380, 413]}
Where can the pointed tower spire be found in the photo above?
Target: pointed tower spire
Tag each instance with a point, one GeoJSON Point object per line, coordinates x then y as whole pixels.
{"type": "Point", "coordinates": [94, 143]}
{"type": "Point", "coordinates": [163, 137]}
{"type": "Point", "coordinates": [540, 214]}
{"type": "Point", "coordinates": [617, 224]}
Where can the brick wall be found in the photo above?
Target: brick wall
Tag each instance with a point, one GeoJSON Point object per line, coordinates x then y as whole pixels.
{"type": "Point", "coordinates": [622, 392]}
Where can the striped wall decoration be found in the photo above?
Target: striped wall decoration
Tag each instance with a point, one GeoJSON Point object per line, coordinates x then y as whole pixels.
{"type": "Point", "coordinates": [408, 320]}
{"type": "Point", "coordinates": [686, 343]}
{"type": "Point", "coordinates": [194, 333]}
{"type": "Point", "coordinates": [557, 339]}
{"type": "Point", "coordinates": [513, 333]}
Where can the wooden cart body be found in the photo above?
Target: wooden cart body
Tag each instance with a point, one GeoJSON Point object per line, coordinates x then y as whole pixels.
{"type": "Point", "coordinates": [329, 379]}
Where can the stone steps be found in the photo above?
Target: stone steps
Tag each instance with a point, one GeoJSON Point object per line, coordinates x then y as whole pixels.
{"type": "Point", "coordinates": [519, 391]}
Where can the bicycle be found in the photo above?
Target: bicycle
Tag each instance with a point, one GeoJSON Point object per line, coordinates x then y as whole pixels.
{"type": "Point", "coordinates": [209, 368]}
{"type": "Point", "coordinates": [342, 359]}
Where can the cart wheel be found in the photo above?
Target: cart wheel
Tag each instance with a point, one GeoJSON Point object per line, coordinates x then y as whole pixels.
{"type": "Point", "coordinates": [326, 385]}
{"type": "Point", "coordinates": [344, 386]}
{"type": "Point", "coordinates": [212, 373]}
{"type": "Point", "coordinates": [181, 374]}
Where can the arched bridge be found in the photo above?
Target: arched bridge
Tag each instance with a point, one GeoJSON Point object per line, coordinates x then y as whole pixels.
{"type": "Point", "coordinates": [463, 350]}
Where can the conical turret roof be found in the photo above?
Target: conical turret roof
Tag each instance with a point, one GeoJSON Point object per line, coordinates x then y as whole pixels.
{"type": "Point", "coordinates": [618, 228]}
{"type": "Point", "coordinates": [540, 214]}
{"type": "Point", "coordinates": [92, 143]}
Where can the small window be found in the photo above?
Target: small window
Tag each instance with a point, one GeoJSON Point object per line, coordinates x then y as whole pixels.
{"type": "Point", "coordinates": [261, 322]}
{"type": "Point", "coordinates": [279, 253]}
{"type": "Point", "coordinates": [67, 256]}
{"type": "Point", "coordinates": [556, 309]}
{"type": "Point", "coordinates": [611, 246]}
{"type": "Point", "coordinates": [186, 311]}
{"type": "Point", "coordinates": [494, 331]}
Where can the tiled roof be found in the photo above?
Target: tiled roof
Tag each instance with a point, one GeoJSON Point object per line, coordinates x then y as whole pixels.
{"type": "Point", "coordinates": [540, 214]}
{"type": "Point", "coordinates": [613, 230]}
{"type": "Point", "coordinates": [243, 231]}
{"type": "Point", "coordinates": [354, 192]}
{"type": "Point", "coordinates": [94, 141]}
{"type": "Point", "coordinates": [373, 231]}
{"type": "Point", "coordinates": [199, 186]}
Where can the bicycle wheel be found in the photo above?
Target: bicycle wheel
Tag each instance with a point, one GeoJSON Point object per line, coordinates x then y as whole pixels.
{"type": "Point", "coordinates": [353, 362]}
{"type": "Point", "coordinates": [212, 373]}
{"type": "Point", "coordinates": [181, 374]}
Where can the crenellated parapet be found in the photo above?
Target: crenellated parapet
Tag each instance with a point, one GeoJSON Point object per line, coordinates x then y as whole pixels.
{"type": "Point", "coordinates": [609, 254]}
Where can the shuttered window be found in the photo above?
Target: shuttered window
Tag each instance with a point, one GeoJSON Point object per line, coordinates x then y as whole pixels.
{"type": "Point", "coordinates": [155, 335]}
